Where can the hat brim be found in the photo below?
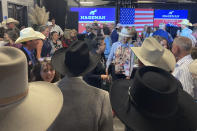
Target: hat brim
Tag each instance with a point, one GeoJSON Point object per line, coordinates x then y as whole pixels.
{"type": "Point", "coordinates": [125, 35]}
{"type": "Point", "coordinates": [188, 24]}
{"type": "Point", "coordinates": [36, 111]}
{"type": "Point", "coordinates": [58, 60]}
{"type": "Point", "coordinates": [14, 21]}
{"type": "Point", "coordinates": [130, 116]}
{"type": "Point", "coordinates": [166, 62]}
{"type": "Point", "coordinates": [36, 36]}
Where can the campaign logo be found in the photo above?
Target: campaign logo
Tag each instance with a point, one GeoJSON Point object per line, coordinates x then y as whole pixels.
{"type": "Point", "coordinates": [171, 12]}
{"type": "Point", "coordinates": [93, 12]}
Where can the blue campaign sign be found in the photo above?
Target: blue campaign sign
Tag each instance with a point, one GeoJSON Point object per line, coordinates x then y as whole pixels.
{"type": "Point", "coordinates": [171, 14]}
{"type": "Point", "coordinates": [98, 14]}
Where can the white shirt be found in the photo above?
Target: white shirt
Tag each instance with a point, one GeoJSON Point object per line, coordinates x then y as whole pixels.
{"type": "Point", "coordinates": [57, 29]}
{"type": "Point", "coordinates": [181, 72]}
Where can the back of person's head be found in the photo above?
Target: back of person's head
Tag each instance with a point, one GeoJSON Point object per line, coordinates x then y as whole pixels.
{"type": "Point", "coordinates": [97, 41]}
{"type": "Point", "coordinates": [106, 30]}
{"type": "Point", "coordinates": [149, 30]}
{"type": "Point", "coordinates": [194, 52]}
{"type": "Point", "coordinates": [12, 34]}
{"type": "Point", "coordinates": [184, 43]}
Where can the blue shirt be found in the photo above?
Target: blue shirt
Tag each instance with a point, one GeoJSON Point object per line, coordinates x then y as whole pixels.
{"type": "Point", "coordinates": [30, 53]}
{"type": "Point", "coordinates": [108, 44]}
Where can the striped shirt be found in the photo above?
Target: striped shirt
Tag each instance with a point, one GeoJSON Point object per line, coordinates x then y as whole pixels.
{"type": "Point", "coordinates": [181, 72]}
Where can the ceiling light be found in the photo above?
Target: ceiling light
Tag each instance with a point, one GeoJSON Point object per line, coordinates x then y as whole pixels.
{"type": "Point", "coordinates": [86, 2]}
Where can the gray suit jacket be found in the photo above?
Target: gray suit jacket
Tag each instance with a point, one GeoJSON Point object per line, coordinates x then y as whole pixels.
{"type": "Point", "coordinates": [85, 108]}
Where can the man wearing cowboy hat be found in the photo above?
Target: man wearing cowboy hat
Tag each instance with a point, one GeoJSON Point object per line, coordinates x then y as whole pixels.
{"type": "Point", "coordinates": [11, 24]}
{"type": "Point", "coordinates": [181, 49]}
{"type": "Point", "coordinates": [153, 101]}
{"type": "Point", "coordinates": [186, 32]}
{"type": "Point", "coordinates": [151, 53]}
{"type": "Point", "coordinates": [85, 108]}
{"type": "Point", "coordinates": [25, 106]}
{"type": "Point", "coordinates": [121, 56]}
{"type": "Point", "coordinates": [29, 39]}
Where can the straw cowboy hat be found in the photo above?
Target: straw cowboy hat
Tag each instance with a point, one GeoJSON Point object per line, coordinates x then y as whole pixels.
{"type": "Point", "coordinates": [28, 34]}
{"type": "Point", "coordinates": [151, 53]}
{"type": "Point", "coordinates": [11, 20]}
{"type": "Point", "coordinates": [193, 68]}
{"type": "Point", "coordinates": [25, 106]}
{"type": "Point", "coordinates": [185, 22]}
{"type": "Point", "coordinates": [153, 101]}
{"type": "Point", "coordinates": [126, 32]}
{"type": "Point", "coordinates": [76, 60]}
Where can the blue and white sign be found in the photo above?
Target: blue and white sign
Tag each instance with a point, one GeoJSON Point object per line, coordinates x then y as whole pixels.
{"type": "Point", "coordinates": [171, 14]}
{"type": "Point", "coordinates": [95, 14]}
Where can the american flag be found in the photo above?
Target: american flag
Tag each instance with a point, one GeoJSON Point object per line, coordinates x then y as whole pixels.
{"type": "Point", "coordinates": [137, 17]}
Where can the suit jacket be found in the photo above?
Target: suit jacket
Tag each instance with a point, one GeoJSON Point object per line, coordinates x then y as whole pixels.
{"type": "Point", "coordinates": [114, 36]}
{"type": "Point", "coordinates": [85, 108]}
{"type": "Point", "coordinates": [30, 65]}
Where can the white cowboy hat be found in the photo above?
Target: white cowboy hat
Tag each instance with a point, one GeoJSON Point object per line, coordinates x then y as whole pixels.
{"type": "Point", "coordinates": [28, 34]}
{"type": "Point", "coordinates": [25, 106]}
{"type": "Point", "coordinates": [11, 20]}
{"type": "Point", "coordinates": [193, 68]}
{"type": "Point", "coordinates": [126, 32]}
{"type": "Point", "coordinates": [151, 53]}
{"type": "Point", "coordinates": [185, 22]}
{"type": "Point", "coordinates": [49, 23]}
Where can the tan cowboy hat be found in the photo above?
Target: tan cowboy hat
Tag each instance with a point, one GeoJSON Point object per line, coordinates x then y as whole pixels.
{"type": "Point", "coordinates": [126, 32]}
{"type": "Point", "coordinates": [25, 106]}
{"type": "Point", "coordinates": [151, 53]}
{"type": "Point", "coordinates": [28, 34]}
{"type": "Point", "coordinates": [193, 68]}
{"type": "Point", "coordinates": [185, 22]}
{"type": "Point", "coordinates": [11, 20]}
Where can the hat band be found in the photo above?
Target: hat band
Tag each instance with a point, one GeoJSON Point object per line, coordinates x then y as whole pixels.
{"type": "Point", "coordinates": [145, 112]}
{"type": "Point", "coordinates": [12, 99]}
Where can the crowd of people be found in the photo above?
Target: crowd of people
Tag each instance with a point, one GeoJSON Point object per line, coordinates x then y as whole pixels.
{"type": "Point", "coordinates": [82, 80]}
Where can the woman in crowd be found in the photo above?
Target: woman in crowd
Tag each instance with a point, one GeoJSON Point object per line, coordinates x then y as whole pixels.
{"type": "Point", "coordinates": [97, 76]}
{"type": "Point", "coordinates": [55, 42]}
{"type": "Point", "coordinates": [162, 41]}
{"type": "Point", "coordinates": [107, 41]}
{"type": "Point", "coordinates": [44, 47]}
{"type": "Point", "coordinates": [43, 71]}
{"type": "Point", "coordinates": [10, 36]}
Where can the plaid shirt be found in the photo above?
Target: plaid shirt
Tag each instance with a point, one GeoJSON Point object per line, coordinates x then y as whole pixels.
{"type": "Point", "coordinates": [181, 72]}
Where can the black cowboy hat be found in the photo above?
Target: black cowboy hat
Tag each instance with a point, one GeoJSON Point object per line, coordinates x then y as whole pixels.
{"type": "Point", "coordinates": [153, 101]}
{"type": "Point", "coordinates": [75, 60]}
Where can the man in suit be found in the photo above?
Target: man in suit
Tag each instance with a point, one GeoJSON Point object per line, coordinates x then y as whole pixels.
{"type": "Point", "coordinates": [85, 108]}
{"type": "Point", "coordinates": [114, 33]}
{"type": "Point", "coordinates": [29, 39]}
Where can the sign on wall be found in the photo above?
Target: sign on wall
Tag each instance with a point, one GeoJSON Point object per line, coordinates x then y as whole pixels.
{"type": "Point", "coordinates": [169, 16]}
{"type": "Point", "coordinates": [89, 15]}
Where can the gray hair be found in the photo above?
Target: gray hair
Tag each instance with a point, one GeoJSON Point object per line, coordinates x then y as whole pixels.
{"type": "Point", "coordinates": [184, 43]}
{"type": "Point", "coordinates": [42, 28]}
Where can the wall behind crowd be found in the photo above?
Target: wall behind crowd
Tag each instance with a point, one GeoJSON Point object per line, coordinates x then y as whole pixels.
{"type": "Point", "coordinates": [58, 9]}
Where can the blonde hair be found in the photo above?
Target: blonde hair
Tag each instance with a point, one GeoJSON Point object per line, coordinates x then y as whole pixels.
{"type": "Point", "coordinates": [67, 34]}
